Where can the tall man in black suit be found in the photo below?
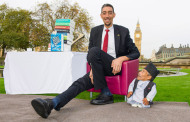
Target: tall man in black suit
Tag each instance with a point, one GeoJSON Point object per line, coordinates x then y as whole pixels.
{"type": "Point", "coordinates": [109, 46]}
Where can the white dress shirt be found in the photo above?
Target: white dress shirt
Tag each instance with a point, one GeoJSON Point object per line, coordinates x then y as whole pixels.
{"type": "Point", "coordinates": [111, 41]}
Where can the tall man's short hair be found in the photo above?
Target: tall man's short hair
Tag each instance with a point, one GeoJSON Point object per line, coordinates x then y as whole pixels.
{"type": "Point", "coordinates": [107, 5]}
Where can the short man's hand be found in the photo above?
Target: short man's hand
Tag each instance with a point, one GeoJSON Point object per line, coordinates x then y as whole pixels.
{"type": "Point", "coordinates": [145, 101]}
{"type": "Point", "coordinates": [91, 76]}
{"type": "Point", "coordinates": [129, 94]}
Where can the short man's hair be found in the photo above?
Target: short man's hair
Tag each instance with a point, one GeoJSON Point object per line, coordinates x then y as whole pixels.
{"type": "Point", "coordinates": [107, 5]}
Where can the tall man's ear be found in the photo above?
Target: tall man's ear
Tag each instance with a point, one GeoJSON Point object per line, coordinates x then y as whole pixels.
{"type": "Point", "coordinates": [101, 15]}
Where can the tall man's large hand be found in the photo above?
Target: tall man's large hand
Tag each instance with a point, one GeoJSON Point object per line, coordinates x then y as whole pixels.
{"type": "Point", "coordinates": [117, 64]}
{"type": "Point", "coordinates": [91, 76]}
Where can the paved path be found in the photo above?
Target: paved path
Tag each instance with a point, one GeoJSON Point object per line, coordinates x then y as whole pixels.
{"type": "Point", "coordinates": [17, 108]}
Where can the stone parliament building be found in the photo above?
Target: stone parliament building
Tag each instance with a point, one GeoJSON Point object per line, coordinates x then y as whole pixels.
{"type": "Point", "coordinates": [172, 55]}
{"type": "Point", "coordinates": [165, 53]}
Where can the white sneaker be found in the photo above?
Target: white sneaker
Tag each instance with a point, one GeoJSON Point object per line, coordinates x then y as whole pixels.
{"type": "Point", "coordinates": [134, 105]}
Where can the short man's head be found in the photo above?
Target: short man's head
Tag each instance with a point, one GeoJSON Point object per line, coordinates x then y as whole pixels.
{"type": "Point", "coordinates": [148, 73]}
{"type": "Point", "coordinates": [107, 15]}
{"type": "Point", "coordinates": [144, 75]}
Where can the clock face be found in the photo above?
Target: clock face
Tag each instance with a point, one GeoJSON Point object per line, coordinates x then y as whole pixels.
{"type": "Point", "coordinates": [137, 35]}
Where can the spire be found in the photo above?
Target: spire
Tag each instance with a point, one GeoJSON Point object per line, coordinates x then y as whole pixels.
{"type": "Point", "coordinates": [180, 46]}
{"type": "Point", "coordinates": [138, 22]}
{"type": "Point", "coordinates": [138, 26]}
{"type": "Point", "coordinates": [172, 46]}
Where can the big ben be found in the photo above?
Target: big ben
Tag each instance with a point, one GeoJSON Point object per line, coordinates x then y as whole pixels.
{"type": "Point", "coordinates": [138, 37]}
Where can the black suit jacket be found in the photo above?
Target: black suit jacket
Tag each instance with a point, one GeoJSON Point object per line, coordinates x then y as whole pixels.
{"type": "Point", "coordinates": [124, 45]}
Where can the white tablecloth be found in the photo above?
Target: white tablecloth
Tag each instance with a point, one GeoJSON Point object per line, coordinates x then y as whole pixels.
{"type": "Point", "coordinates": [42, 72]}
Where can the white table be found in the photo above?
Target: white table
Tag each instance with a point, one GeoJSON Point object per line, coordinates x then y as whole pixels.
{"type": "Point", "coordinates": [42, 72]}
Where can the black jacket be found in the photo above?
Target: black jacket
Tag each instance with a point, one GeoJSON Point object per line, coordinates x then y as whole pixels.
{"type": "Point", "coordinates": [124, 45]}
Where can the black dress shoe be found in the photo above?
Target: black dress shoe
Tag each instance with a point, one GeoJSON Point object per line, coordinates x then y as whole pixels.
{"type": "Point", "coordinates": [102, 100]}
{"type": "Point", "coordinates": [42, 107]}
{"type": "Point", "coordinates": [57, 108]}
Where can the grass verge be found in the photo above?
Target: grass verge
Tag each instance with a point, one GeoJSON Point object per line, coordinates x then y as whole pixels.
{"type": "Point", "coordinates": [173, 89]}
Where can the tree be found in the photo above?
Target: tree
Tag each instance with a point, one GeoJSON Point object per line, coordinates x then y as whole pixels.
{"type": "Point", "coordinates": [63, 10]}
{"type": "Point", "coordinates": [44, 16]}
{"type": "Point", "coordinates": [15, 28]}
{"type": "Point", "coordinates": [39, 35]}
{"type": "Point", "coordinates": [3, 9]}
{"type": "Point", "coordinates": [20, 29]}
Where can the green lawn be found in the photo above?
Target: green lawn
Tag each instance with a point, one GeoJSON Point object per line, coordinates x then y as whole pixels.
{"type": "Point", "coordinates": [175, 88]}
{"type": "Point", "coordinates": [2, 88]}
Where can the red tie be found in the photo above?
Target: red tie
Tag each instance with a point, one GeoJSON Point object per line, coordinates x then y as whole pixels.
{"type": "Point", "coordinates": [105, 46]}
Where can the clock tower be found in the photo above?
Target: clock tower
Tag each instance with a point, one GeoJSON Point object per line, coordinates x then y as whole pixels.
{"type": "Point", "coordinates": [138, 37]}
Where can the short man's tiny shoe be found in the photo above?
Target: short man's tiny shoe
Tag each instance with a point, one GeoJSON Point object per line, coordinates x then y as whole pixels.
{"type": "Point", "coordinates": [42, 107]}
{"type": "Point", "coordinates": [140, 106]}
{"type": "Point", "coordinates": [102, 100]}
{"type": "Point", "coordinates": [134, 105]}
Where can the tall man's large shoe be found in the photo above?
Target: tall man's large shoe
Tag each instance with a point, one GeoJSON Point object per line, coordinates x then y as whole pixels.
{"type": "Point", "coordinates": [42, 107]}
{"type": "Point", "coordinates": [102, 100]}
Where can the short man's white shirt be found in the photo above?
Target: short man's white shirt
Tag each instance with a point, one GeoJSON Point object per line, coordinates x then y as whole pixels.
{"type": "Point", "coordinates": [111, 41]}
{"type": "Point", "coordinates": [138, 95]}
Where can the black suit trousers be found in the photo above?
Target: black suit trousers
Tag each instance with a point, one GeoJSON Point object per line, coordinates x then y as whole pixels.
{"type": "Point", "coordinates": [100, 63]}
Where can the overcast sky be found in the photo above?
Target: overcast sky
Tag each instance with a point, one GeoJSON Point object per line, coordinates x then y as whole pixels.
{"type": "Point", "coordinates": [161, 21]}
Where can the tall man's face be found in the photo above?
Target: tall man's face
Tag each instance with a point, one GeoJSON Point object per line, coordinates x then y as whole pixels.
{"type": "Point", "coordinates": [107, 16]}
